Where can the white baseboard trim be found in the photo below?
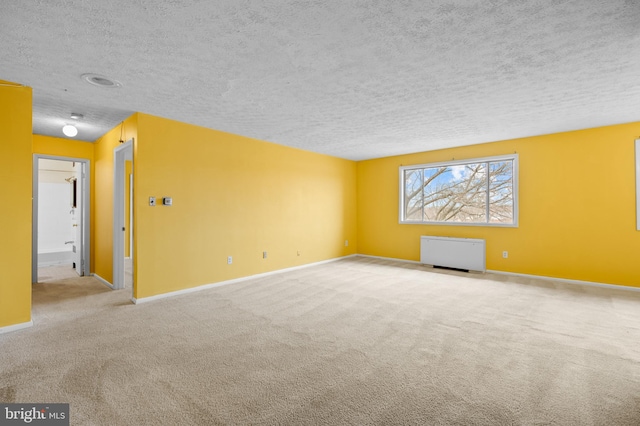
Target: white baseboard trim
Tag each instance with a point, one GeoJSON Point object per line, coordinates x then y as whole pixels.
{"type": "Point", "coordinates": [538, 277]}
{"type": "Point", "coordinates": [395, 259]}
{"type": "Point", "coordinates": [233, 281]}
{"type": "Point", "coordinates": [15, 327]}
{"type": "Point", "coordinates": [567, 281]}
{"type": "Point", "coordinates": [103, 281]}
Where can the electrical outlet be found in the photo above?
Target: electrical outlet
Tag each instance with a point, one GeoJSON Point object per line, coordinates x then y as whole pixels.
{"type": "Point", "coordinates": [505, 254]}
{"type": "Point", "coordinates": [264, 254]}
{"type": "Point", "coordinates": [152, 201]}
{"type": "Point", "coordinates": [229, 260]}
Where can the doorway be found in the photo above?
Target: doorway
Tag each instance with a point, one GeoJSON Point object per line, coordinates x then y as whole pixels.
{"type": "Point", "coordinates": [60, 214]}
{"type": "Point", "coordinates": [123, 232]}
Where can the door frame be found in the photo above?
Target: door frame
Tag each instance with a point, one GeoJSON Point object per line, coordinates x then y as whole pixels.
{"type": "Point", "coordinates": [131, 214]}
{"type": "Point", "coordinates": [84, 216]}
{"type": "Point", "coordinates": [120, 155]}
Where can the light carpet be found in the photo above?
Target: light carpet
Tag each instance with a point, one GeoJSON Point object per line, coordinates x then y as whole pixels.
{"type": "Point", "coordinates": [357, 341]}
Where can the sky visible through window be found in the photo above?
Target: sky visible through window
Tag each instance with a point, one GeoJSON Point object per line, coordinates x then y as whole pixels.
{"type": "Point", "coordinates": [475, 192]}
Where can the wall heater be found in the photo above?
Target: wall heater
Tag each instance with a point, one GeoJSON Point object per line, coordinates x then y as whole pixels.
{"type": "Point", "coordinates": [458, 253]}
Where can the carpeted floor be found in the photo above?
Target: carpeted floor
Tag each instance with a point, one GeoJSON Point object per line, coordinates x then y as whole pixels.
{"type": "Point", "coordinates": [357, 341]}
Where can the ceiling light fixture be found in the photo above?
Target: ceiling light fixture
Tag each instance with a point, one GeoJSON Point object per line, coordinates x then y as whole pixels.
{"type": "Point", "coordinates": [100, 81]}
{"type": "Point", "coordinates": [69, 130]}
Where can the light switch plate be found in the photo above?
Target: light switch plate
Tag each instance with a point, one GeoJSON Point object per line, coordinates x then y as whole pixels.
{"type": "Point", "coordinates": [167, 201]}
{"type": "Point", "coordinates": [152, 201]}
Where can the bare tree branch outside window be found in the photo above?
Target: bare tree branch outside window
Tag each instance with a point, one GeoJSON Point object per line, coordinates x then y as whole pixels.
{"type": "Point", "coordinates": [475, 192]}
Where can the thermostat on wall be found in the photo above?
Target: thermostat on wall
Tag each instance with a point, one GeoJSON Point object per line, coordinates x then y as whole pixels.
{"type": "Point", "coordinates": [167, 201]}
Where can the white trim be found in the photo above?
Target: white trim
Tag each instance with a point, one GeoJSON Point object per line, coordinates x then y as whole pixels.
{"type": "Point", "coordinates": [515, 172]}
{"type": "Point", "coordinates": [492, 225]}
{"type": "Point", "coordinates": [103, 281]}
{"type": "Point", "coordinates": [130, 224]}
{"type": "Point", "coordinates": [120, 154]}
{"type": "Point", "coordinates": [233, 281]}
{"type": "Point", "coordinates": [415, 262]}
{"type": "Point", "coordinates": [567, 281]}
{"type": "Point", "coordinates": [15, 327]}
{"type": "Point", "coordinates": [637, 184]}
{"type": "Point", "coordinates": [539, 277]}
{"type": "Point", "coordinates": [454, 162]}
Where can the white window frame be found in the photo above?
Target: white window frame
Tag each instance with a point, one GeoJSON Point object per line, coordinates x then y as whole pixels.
{"type": "Point", "coordinates": [401, 184]}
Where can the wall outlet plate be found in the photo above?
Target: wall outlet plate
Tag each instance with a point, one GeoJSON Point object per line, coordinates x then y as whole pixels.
{"type": "Point", "coordinates": [152, 201]}
{"type": "Point", "coordinates": [167, 201]}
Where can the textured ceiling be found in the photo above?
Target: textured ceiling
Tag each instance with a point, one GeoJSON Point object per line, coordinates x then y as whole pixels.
{"type": "Point", "coordinates": [356, 79]}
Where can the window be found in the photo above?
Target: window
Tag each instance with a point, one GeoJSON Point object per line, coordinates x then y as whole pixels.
{"type": "Point", "coordinates": [471, 192]}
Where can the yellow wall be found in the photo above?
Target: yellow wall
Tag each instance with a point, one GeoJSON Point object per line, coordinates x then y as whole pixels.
{"type": "Point", "coordinates": [577, 207]}
{"type": "Point", "coordinates": [15, 187]}
{"type": "Point", "coordinates": [102, 208]}
{"type": "Point", "coordinates": [61, 147]}
{"type": "Point", "coordinates": [233, 196]}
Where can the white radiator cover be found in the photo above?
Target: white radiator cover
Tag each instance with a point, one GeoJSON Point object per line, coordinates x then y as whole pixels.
{"type": "Point", "coordinates": [459, 253]}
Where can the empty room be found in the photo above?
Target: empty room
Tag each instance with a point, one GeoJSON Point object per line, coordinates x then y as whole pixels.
{"type": "Point", "coordinates": [320, 212]}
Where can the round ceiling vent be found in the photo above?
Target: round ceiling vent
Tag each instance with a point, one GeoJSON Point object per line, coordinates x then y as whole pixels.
{"type": "Point", "coordinates": [101, 81]}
